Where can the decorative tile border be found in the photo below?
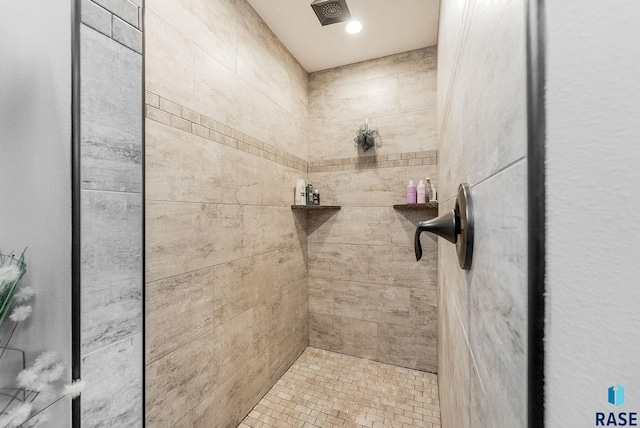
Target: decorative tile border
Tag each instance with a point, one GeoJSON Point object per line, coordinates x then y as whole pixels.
{"type": "Point", "coordinates": [120, 20]}
{"type": "Point", "coordinates": [391, 160]}
{"type": "Point", "coordinates": [162, 110]}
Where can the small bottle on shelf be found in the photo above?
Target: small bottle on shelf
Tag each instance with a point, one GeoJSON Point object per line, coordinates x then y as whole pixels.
{"type": "Point", "coordinates": [411, 193]}
{"type": "Point", "coordinates": [421, 191]}
{"type": "Point", "coordinates": [316, 197]}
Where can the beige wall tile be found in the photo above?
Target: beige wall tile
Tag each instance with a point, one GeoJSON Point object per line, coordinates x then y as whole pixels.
{"type": "Point", "coordinates": [168, 61]}
{"type": "Point", "coordinates": [383, 265]}
{"type": "Point", "coordinates": [178, 309]}
{"type": "Point", "coordinates": [181, 166]}
{"type": "Point", "coordinates": [228, 404]}
{"type": "Point", "coordinates": [268, 228]}
{"type": "Point", "coordinates": [370, 187]}
{"type": "Point", "coordinates": [182, 236]}
{"type": "Point", "coordinates": [344, 335]}
{"type": "Point", "coordinates": [242, 284]}
{"type": "Point", "coordinates": [418, 347]}
{"type": "Point", "coordinates": [180, 379]}
{"type": "Point", "coordinates": [208, 24]}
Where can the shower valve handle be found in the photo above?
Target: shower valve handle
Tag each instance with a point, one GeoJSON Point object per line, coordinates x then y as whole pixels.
{"type": "Point", "coordinates": [446, 226]}
{"type": "Point", "coordinates": [455, 226]}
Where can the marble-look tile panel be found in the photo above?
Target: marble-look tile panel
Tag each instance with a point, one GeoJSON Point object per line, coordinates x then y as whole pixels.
{"type": "Point", "coordinates": [358, 100]}
{"type": "Point", "coordinates": [168, 61]}
{"type": "Point", "coordinates": [263, 71]}
{"type": "Point", "coordinates": [385, 265]}
{"type": "Point", "coordinates": [268, 228]}
{"type": "Point", "coordinates": [454, 366]}
{"type": "Point", "coordinates": [179, 380]}
{"type": "Point", "coordinates": [417, 60]}
{"type": "Point", "coordinates": [381, 187]}
{"type": "Point", "coordinates": [206, 23]}
{"type": "Point", "coordinates": [366, 226]}
{"type": "Point", "coordinates": [111, 240]}
{"type": "Point", "coordinates": [111, 314]}
{"type": "Point", "coordinates": [292, 265]}
{"type": "Point", "coordinates": [181, 166]}
{"type": "Point", "coordinates": [113, 396]}
{"type": "Point", "coordinates": [243, 177]}
{"type": "Point", "coordinates": [344, 335]}
{"type": "Point", "coordinates": [399, 132]}
{"type": "Point", "coordinates": [417, 91]}
{"type": "Point", "coordinates": [497, 295]}
{"type": "Point", "coordinates": [129, 36]}
{"type": "Point", "coordinates": [423, 313]}
{"type": "Point", "coordinates": [125, 9]}
{"type": "Point", "coordinates": [111, 107]}
{"type": "Point", "coordinates": [371, 302]}
{"type": "Point", "coordinates": [282, 353]}
{"type": "Point", "coordinates": [482, 135]}
{"type": "Point", "coordinates": [279, 315]}
{"type": "Point", "coordinates": [224, 96]}
{"type": "Point", "coordinates": [178, 309]}
{"type": "Point", "coordinates": [229, 404]}
{"type": "Point", "coordinates": [96, 17]}
{"type": "Point", "coordinates": [242, 284]}
{"type": "Point", "coordinates": [407, 347]}
{"type": "Point", "coordinates": [450, 276]}
{"type": "Point", "coordinates": [183, 236]}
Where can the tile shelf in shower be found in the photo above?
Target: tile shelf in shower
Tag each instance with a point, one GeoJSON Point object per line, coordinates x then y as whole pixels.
{"type": "Point", "coordinates": [315, 207]}
{"type": "Point", "coordinates": [418, 207]}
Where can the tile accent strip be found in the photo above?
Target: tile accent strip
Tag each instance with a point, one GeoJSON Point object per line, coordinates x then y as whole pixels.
{"type": "Point", "coordinates": [391, 160]}
{"type": "Point", "coordinates": [162, 110]}
{"type": "Point", "coordinates": [120, 20]}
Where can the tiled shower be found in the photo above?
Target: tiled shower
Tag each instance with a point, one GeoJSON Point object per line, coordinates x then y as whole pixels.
{"type": "Point", "coordinates": [238, 283]}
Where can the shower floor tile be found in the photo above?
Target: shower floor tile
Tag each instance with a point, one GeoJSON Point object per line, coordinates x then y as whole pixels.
{"type": "Point", "coordinates": [326, 390]}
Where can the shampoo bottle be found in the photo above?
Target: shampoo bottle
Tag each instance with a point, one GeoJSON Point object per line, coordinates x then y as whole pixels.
{"type": "Point", "coordinates": [422, 192]}
{"type": "Point", "coordinates": [411, 193]}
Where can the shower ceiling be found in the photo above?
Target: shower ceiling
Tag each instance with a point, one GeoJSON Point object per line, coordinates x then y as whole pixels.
{"type": "Point", "coordinates": [389, 27]}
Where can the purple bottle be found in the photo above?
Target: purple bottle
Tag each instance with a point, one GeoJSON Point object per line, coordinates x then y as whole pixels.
{"type": "Point", "coordinates": [412, 193]}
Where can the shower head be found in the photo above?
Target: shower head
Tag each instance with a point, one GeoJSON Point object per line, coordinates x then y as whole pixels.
{"type": "Point", "coordinates": [331, 11]}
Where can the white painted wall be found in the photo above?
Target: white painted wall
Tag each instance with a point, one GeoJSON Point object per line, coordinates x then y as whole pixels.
{"type": "Point", "coordinates": [593, 227]}
{"type": "Point", "coordinates": [35, 168]}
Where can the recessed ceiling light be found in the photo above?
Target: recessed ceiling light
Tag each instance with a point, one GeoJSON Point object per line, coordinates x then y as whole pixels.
{"type": "Point", "coordinates": [354, 27]}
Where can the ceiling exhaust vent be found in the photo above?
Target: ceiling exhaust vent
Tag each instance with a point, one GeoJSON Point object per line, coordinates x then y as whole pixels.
{"type": "Point", "coordinates": [331, 11]}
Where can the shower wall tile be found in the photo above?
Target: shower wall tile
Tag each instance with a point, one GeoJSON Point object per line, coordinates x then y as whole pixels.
{"type": "Point", "coordinates": [369, 186]}
{"type": "Point", "coordinates": [365, 226]}
{"type": "Point", "coordinates": [483, 142]}
{"type": "Point", "coordinates": [127, 35]}
{"type": "Point", "coordinates": [113, 396]}
{"type": "Point", "coordinates": [230, 403]}
{"type": "Point", "coordinates": [242, 284]}
{"type": "Point", "coordinates": [205, 23]}
{"type": "Point", "coordinates": [418, 347]}
{"type": "Point", "coordinates": [125, 9]}
{"type": "Point", "coordinates": [96, 17]}
{"type": "Point", "coordinates": [268, 228]}
{"type": "Point", "coordinates": [178, 310]}
{"type": "Point", "coordinates": [497, 296]}
{"type": "Point", "coordinates": [384, 265]}
{"type": "Point", "coordinates": [179, 379]}
{"type": "Point", "coordinates": [182, 237]}
{"type": "Point", "coordinates": [490, 133]}
{"type": "Point", "coordinates": [396, 93]}
{"type": "Point", "coordinates": [226, 255]}
{"type": "Point", "coordinates": [182, 166]}
{"type": "Point", "coordinates": [344, 335]}
{"type": "Point", "coordinates": [362, 269]}
{"type": "Point", "coordinates": [111, 105]}
{"type": "Point", "coordinates": [168, 60]}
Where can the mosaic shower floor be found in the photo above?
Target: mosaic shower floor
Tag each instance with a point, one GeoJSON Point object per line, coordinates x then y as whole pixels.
{"type": "Point", "coordinates": [327, 390]}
